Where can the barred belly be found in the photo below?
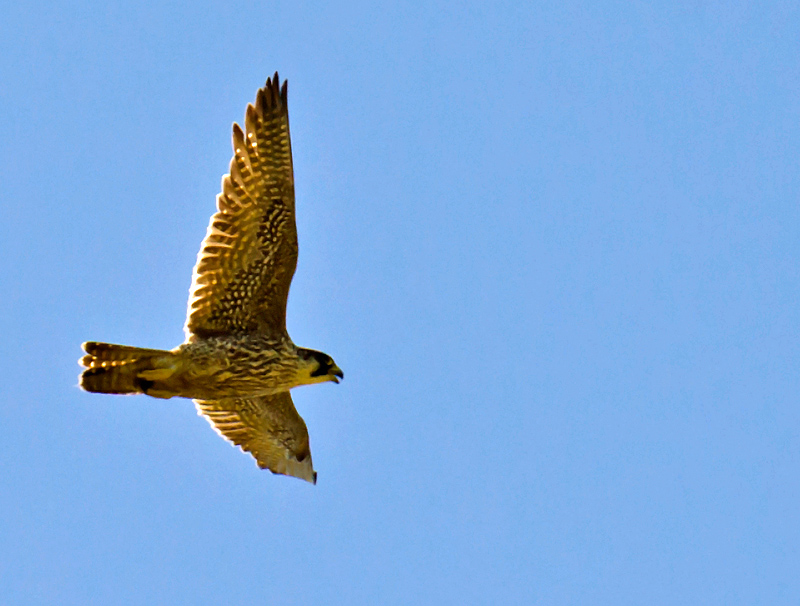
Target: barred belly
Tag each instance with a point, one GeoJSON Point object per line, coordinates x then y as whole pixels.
{"type": "Point", "coordinates": [237, 366]}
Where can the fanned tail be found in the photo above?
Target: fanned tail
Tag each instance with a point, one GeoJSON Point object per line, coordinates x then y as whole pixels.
{"type": "Point", "coordinates": [122, 369]}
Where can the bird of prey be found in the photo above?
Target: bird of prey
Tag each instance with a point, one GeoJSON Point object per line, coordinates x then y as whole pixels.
{"type": "Point", "coordinates": [237, 362]}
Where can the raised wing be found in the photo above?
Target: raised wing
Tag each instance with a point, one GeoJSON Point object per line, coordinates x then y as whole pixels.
{"type": "Point", "coordinates": [268, 427]}
{"type": "Point", "coordinates": [241, 280]}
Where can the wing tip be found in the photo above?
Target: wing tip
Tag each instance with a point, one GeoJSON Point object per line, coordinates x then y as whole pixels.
{"type": "Point", "coordinates": [292, 469]}
{"type": "Point", "coordinates": [273, 94]}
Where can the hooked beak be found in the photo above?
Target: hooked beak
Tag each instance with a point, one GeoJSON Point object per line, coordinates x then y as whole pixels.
{"type": "Point", "coordinates": [337, 374]}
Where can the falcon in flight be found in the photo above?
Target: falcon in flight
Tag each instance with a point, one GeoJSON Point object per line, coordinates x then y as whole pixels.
{"type": "Point", "coordinates": [238, 362]}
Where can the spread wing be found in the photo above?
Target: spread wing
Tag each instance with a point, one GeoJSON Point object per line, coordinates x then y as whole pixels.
{"type": "Point", "coordinates": [241, 280]}
{"type": "Point", "coordinates": [268, 427]}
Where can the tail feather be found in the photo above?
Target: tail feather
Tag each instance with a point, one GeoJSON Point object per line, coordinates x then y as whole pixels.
{"type": "Point", "coordinates": [109, 353]}
{"type": "Point", "coordinates": [122, 369]}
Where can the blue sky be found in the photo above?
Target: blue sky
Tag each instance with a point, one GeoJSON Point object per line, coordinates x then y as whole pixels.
{"type": "Point", "coordinates": [553, 246]}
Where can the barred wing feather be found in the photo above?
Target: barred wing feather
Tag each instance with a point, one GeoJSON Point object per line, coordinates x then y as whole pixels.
{"type": "Point", "coordinates": [268, 427]}
{"type": "Point", "coordinates": [241, 281]}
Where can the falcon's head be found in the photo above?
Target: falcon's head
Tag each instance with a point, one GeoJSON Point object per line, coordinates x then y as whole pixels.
{"type": "Point", "coordinates": [317, 367]}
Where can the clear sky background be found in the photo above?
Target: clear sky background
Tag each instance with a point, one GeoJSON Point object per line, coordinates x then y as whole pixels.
{"type": "Point", "coordinates": [552, 245]}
